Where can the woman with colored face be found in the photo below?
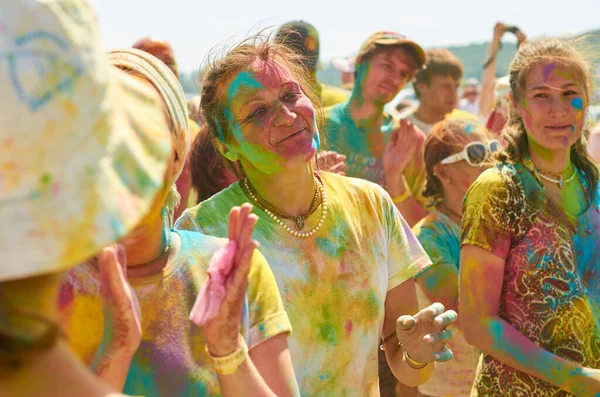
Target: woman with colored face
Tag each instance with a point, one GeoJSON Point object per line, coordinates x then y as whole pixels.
{"type": "Point", "coordinates": [530, 260]}
{"type": "Point", "coordinates": [342, 255]}
{"type": "Point", "coordinates": [456, 152]}
{"type": "Point", "coordinates": [240, 346]}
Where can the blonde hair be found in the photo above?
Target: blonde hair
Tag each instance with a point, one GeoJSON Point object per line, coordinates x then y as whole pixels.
{"type": "Point", "coordinates": [529, 56]}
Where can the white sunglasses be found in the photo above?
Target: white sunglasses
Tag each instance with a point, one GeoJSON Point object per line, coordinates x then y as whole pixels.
{"type": "Point", "coordinates": [474, 153]}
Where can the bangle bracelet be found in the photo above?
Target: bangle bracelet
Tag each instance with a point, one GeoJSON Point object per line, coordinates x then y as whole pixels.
{"type": "Point", "coordinates": [382, 346]}
{"type": "Point", "coordinates": [402, 197]}
{"type": "Point", "coordinates": [229, 364]}
{"type": "Point", "coordinates": [412, 363]}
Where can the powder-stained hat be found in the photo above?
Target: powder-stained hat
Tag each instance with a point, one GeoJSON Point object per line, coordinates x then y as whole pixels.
{"type": "Point", "coordinates": [303, 39]}
{"type": "Point", "coordinates": [84, 145]}
{"type": "Point", "coordinates": [167, 85]}
{"type": "Point", "coordinates": [390, 38]}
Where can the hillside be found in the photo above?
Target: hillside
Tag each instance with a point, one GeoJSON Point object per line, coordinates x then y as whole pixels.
{"type": "Point", "coordinates": [473, 55]}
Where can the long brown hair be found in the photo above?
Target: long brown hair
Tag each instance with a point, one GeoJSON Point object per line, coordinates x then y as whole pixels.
{"type": "Point", "coordinates": [528, 56]}
{"type": "Point", "coordinates": [208, 171]}
{"type": "Point", "coordinates": [218, 71]}
{"type": "Point", "coordinates": [446, 138]}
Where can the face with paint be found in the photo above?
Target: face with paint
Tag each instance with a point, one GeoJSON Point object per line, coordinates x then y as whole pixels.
{"type": "Point", "coordinates": [385, 74]}
{"type": "Point", "coordinates": [272, 123]}
{"type": "Point", "coordinates": [456, 178]}
{"type": "Point", "coordinates": [553, 106]}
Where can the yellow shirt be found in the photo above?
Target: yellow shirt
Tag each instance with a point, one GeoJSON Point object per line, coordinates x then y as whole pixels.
{"type": "Point", "coordinates": [331, 95]}
{"type": "Point", "coordinates": [334, 283]}
{"type": "Point", "coordinates": [171, 360]}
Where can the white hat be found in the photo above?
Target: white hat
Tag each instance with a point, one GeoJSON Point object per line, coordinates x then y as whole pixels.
{"type": "Point", "coordinates": [84, 146]}
{"type": "Point", "coordinates": [344, 65]}
{"type": "Point", "coordinates": [502, 88]}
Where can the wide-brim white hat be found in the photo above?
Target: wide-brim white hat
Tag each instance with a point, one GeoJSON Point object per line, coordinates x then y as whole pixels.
{"type": "Point", "coordinates": [85, 147]}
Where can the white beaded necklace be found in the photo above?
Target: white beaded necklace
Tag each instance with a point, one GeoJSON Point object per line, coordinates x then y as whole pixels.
{"type": "Point", "coordinates": [286, 227]}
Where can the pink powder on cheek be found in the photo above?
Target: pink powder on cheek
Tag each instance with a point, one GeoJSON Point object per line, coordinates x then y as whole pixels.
{"type": "Point", "coordinates": [299, 147]}
{"type": "Point", "coordinates": [527, 120]}
{"type": "Point", "coordinates": [349, 326]}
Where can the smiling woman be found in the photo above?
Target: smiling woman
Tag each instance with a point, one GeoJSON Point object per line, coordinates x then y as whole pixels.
{"type": "Point", "coordinates": [532, 222]}
{"type": "Point", "coordinates": [342, 255]}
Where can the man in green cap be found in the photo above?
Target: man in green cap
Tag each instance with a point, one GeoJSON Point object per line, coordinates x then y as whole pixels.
{"type": "Point", "coordinates": [378, 147]}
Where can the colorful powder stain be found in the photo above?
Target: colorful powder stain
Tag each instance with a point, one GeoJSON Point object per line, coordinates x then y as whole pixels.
{"type": "Point", "coordinates": [548, 70]}
{"type": "Point", "coordinates": [65, 296]}
{"type": "Point", "coordinates": [349, 326]}
{"type": "Point", "coordinates": [577, 103]}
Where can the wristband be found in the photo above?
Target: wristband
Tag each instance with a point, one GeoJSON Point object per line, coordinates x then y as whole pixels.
{"type": "Point", "coordinates": [402, 197]}
{"type": "Point", "coordinates": [229, 364]}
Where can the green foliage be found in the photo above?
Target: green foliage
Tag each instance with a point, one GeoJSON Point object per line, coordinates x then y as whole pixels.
{"type": "Point", "coordinates": [473, 57]}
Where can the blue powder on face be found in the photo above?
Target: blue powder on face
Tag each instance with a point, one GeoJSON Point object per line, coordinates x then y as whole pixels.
{"type": "Point", "coordinates": [316, 143]}
{"type": "Point", "coordinates": [577, 103]}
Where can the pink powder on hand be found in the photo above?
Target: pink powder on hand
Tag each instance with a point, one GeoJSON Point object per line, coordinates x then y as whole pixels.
{"type": "Point", "coordinates": [211, 295]}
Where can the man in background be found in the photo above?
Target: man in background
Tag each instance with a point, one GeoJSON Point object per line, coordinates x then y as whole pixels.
{"type": "Point", "coordinates": [302, 38]}
{"type": "Point", "coordinates": [470, 97]}
{"type": "Point", "coordinates": [436, 87]}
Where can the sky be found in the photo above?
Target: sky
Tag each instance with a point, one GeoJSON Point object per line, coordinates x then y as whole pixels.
{"type": "Point", "coordinates": [195, 27]}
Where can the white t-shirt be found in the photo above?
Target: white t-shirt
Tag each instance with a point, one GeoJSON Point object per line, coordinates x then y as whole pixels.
{"type": "Point", "coordinates": [471, 107]}
{"type": "Point", "coordinates": [409, 114]}
{"type": "Point", "coordinates": [333, 284]}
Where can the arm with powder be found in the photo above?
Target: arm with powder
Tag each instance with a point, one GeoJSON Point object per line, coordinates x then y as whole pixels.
{"type": "Point", "coordinates": [267, 370]}
{"type": "Point", "coordinates": [486, 240]}
{"type": "Point", "coordinates": [122, 327]}
{"type": "Point", "coordinates": [483, 328]}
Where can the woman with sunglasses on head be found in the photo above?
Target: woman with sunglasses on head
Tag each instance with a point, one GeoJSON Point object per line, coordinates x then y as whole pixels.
{"type": "Point", "coordinates": [342, 255]}
{"type": "Point", "coordinates": [456, 152]}
{"type": "Point", "coordinates": [530, 256]}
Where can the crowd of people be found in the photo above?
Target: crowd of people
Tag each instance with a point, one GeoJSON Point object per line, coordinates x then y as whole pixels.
{"type": "Point", "coordinates": [277, 236]}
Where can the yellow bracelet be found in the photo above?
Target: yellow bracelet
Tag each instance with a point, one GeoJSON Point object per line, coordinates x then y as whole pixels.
{"type": "Point", "coordinates": [402, 197]}
{"type": "Point", "coordinates": [412, 363]}
{"type": "Point", "coordinates": [228, 365]}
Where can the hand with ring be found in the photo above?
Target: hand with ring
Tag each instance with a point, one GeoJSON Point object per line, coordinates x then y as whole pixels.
{"type": "Point", "coordinates": [424, 335]}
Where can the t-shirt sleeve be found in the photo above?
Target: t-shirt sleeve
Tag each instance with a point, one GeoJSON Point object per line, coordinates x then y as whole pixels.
{"type": "Point", "coordinates": [436, 245]}
{"type": "Point", "coordinates": [187, 221]}
{"type": "Point", "coordinates": [489, 213]}
{"type": "Point", "coordinates": [267, 316]}
{"type": "Point", "coordinates": [406, 257]}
